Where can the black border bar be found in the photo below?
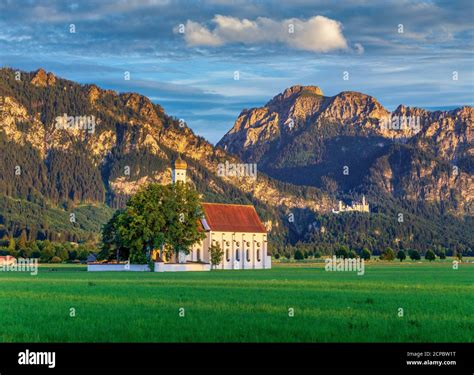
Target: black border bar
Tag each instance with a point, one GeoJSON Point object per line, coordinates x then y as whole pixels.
{"type": "Point", "coordinates": [171, 355]}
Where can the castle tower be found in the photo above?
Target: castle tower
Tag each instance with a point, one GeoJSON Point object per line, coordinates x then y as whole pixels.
{"type": "Point", "coordinates": [178, 173]}
{"type": "Point", "coordinates": [365, 205]}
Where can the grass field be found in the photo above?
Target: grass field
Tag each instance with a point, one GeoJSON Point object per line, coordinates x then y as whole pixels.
{"type": "Point", "coordinates": [241, 306]}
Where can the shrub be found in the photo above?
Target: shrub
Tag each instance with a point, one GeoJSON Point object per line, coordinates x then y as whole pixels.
{"type": "Point", "coordinates": [342, 252]}
{"type": "Point", "coordinates": [388, 254]}
{"type": "Point", "coordinates": [401, 255]}
{"type": "Point", "coordinates": [365, 254]}
{"type": "Point", "coordinates": [299, 255]}
{"type": "Point", "coordinates": [414, 255]}
{"type": "Point", "coordinates": [430, 255]}
{"type": "Point", "coordinates": [56, 259]}
{"type": "Point", "coordinates": [442, 254]}
{"type": "Point", "coordinates": [277, 256]}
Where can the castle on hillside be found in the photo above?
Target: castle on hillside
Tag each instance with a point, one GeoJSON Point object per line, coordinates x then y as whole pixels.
{"type": "Point", "coordinates": [355, 206]}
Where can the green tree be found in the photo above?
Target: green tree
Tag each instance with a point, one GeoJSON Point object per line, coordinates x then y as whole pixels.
{"type": "Point", "coordinates": [388, 254]}
{"type": "Point", "coordinates": [155, 216]}
{"type": "Point", "coordinates": [365, 254]}
{"type": "Point", "coordinates": [442, 254]}
{"type": "Point", "coordinates": [12, 247]}
{"type": "Point", "coordinates": [56, 259]}
{"type": "Point", "coordinates": [47, 252]}
{"type": "Point", "coordinates": [185, 212]}
{"type": "Point", "coordinates": [216, 254]}
{"type": "Point", "coordinates": [61, 252]}
{"type": "Point", "coordinates": [299, 255]}
{"type": "Point", "coordinates": [401, 255]}
{"type": "Point", "coordinates": [22, 240]}
{"type": "Point", "coordinates": [82, 254]}
{"type": "Point", "coordinates": [414, 255]}
{"type": "Point", "coordinates": [342, 252]}
{"type": "Point", "coordinates": [430, 255]}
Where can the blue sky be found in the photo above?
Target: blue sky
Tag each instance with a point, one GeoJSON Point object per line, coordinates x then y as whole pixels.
{"type": "Point", "coordinates": [183, 54]}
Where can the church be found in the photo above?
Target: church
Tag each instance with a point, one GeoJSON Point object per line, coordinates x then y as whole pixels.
{"type": "Point", "coordinates": [236, 228]}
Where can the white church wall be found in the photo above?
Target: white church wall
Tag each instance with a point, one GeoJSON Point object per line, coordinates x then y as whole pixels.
{"type": "Point", "coordinates": [235, 247]}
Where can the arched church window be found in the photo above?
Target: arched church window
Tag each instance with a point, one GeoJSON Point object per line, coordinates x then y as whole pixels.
{"type": "Point", "coordinates": [248, 255]}
{"type": "Point", "coordinates": [237, 255]}
{"type": "Point", "coordinates": [258, 255]}
{"type": "Point", "coordinates": [227, 255]}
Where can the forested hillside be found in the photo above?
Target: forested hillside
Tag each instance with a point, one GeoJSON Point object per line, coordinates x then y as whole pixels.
{"type": "Point", "coordinates": [63, 184]}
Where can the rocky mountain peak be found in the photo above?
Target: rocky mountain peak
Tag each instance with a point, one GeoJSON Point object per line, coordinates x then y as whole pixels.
{"type": "Point", "coordinates": [43, 79]}
{"type": "Point", "coordinates": [352, 105]}
{"type": "Point", "coordinates": [292, 93]}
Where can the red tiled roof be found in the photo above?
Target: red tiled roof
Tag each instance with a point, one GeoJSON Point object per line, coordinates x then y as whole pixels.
{"type": "Point", "coordinates": [232, 218]}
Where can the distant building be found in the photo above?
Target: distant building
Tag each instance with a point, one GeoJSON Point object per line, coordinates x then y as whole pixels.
{"type": "Point", "coordinates": [354, 207]}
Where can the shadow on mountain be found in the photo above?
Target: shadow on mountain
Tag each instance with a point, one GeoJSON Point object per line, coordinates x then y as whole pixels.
{"type": "Point", "coordinates": [356, 153]}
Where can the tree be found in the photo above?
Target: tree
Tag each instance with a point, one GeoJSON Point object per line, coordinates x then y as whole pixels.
{"type": "Point", "coordinates": [56, 259]}
{"type": "Point", "coordinates": [329, 184]}
{"type": "Point", "coordinates": [185, 211]}
{"type": "Point", "coordinates": [47, 252]}
{"type": "Point", "coordinates": [216, 254]}
{"type": "Point", "coordinates": [442, 254]}
{"type": "Point", "coordinates": [61, 252]}
{"type": "Point", "coordinates": [298, 255]}
{"type": "Point", "coordinates": [414, 255]}
{"type": "Point", "coordinates": [388, 254]}
{"type": "Point", "coordinates": [12, 246]}
{"type": "Point", "coordinates": [401, 255]}
{"type": "Point", "coordinates": [430, 255]}
{"type": "Point", "coordinates": [352, 255]}
{"type": "Point", "coordinates": [155, 216]}
{"type": "Point", "coordinates": [342, 252]}
{"type": "Point", "coordinates": [22, 240]}
{"type": "Point", "coordinates": [365, 254]}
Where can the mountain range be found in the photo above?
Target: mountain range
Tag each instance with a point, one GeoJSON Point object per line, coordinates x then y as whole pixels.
{"type": "Point", "coordinates": [63, 183]}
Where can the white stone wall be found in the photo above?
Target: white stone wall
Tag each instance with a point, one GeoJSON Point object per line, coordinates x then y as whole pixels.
{"type": "Point", "coordinates": [118, 267]}
{"type": "Point", "coordinates": [176, 267]}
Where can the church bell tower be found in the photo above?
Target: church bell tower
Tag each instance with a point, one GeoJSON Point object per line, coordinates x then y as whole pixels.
{"type": "Point", "coordinates": [179, 170]}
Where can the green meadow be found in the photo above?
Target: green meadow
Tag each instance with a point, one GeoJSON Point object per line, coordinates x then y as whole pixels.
{"type": "Point", "coordinates": [67, 304]}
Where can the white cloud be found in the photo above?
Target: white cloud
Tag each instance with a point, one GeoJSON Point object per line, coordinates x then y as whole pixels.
{"type": "Point", "coordinates": [317, 34]}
